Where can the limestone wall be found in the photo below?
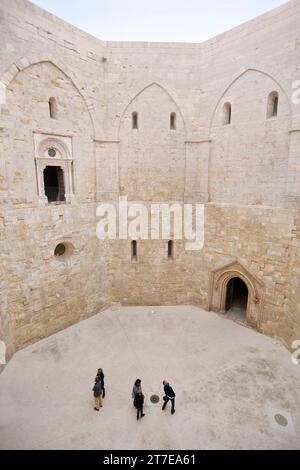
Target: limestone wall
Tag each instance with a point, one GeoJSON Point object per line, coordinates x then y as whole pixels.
{"type": "Point", "coordinates": [293, 307]}
{"type": "Point", "coordinates": [247, 173]}
{"type": "Point", "coordinates": [248, 163]}
{"type": "Point", "coordinates": [259, 238]}
{"type": "Point", "coordinates": [46, 293]}
{"type": "Point", "coordinates": [152, 157]}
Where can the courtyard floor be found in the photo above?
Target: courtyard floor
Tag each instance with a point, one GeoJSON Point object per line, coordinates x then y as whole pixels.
{"type": "Point", "coordinates": [230, 384]}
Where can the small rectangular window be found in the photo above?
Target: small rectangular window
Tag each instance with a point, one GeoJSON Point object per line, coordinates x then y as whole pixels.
{"type": "Point", "coordinates": [173, 121]}
{"type": "Point", "coordinates": [272, 109]}
{"type": "Point", "coordinates": [134, 120]}
{"type": "Point", "coordinates": [227, 113]}
{"type": "Point", "coordinates": [52, 108]}
{"type": "Point", "coordinates": [170, 249]}
{"type": "Point", "coordinates": [134, 250]}
{"type": "Point", "coordinates": [275, 106]}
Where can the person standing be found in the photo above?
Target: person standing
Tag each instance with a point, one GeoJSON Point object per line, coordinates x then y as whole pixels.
{"type": "Point", "coordinates": [97, 389]}
{"type": "Point", "coordinates": [137, 387]}
{"type": "Point", "coordinates": [100, 374]}
{"type": "Point", "coordinates": [139, 404]}
{"type": "Point", "coordinates": [169, 396]}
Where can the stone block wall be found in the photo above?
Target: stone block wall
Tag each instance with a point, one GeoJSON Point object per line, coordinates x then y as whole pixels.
{"type": "Point", "coordinates": [293, 307]}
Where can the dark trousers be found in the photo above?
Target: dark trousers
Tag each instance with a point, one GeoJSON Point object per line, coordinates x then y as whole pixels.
{"type": "Point", "coordinates": [140, 412]}
{"type": "Point", "coordinates": [172, 400]}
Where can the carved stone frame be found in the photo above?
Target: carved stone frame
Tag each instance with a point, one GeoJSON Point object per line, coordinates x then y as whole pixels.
{"type": "Point", "coordinates": [219, 279]}
{"type": "Point", "coordinates": [63, 159]}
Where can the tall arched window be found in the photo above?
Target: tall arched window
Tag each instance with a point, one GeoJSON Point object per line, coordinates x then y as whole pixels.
{"type": "Point", "coordinates": [273, 101]}
{"type": "Point", "coordinates": [52, 108]}
{"type": "Point", "coordinates": [173, 121]}
{"type": "Point", "coordinates": [227, 112]}
{"type": "Point", "coordinates": [54, 168]}
{"type": "Point", "coordinates": [135, 124]}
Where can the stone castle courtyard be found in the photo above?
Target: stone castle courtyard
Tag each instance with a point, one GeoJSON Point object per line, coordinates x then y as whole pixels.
{"type": "Point", "coordinates": [135, 174]}
{"type": "Point", "coordinates": [230, 383]}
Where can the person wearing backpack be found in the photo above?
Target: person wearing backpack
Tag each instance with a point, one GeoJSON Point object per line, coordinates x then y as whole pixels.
{"type": "Point", "coordinates": [101, 375]}
{"type": "Point", "coordinates": [97, 389]}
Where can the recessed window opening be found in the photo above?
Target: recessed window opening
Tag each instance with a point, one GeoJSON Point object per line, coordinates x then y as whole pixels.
{"type": "Point", "coordinates": [54, 184]}
{"type": "Point", "coordinates": [170, 249]}
{"type": "Point", "coordinates": [227, 114]}
{"type": "Point", "coordinates": [273, 102]}
{"type": "Point", "coordinates": [60, 250]}
{"type": "Point", "coordinates": [52, 152]}
{"type": "Point", "coordinates": [52, 108]}
{"type": "Point", "coordinates": [135, 120]}
{"type": "Point", "coordinates": [134, 250]}
{"type": "Point", "coordinates": [173, 121]}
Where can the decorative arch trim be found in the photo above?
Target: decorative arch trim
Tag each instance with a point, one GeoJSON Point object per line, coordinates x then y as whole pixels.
{"type": "Point", "coordinates": [57, 144]}
{"type": "Point", "coordinates": [26, 62]}
{"type": "Point", "coordinates": [140, 92]}
{"type": "Point", "coordinates": [62, 159]}
{"type": "Point", "coordinates": [235, 80]}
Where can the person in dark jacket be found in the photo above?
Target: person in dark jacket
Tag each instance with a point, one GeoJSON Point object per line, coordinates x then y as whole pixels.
{"type": "Point", "coordinates": [100, 374]}
{"type": "Point", "coordinates": [139, 404]}
{"type": "Point", "coordinates": [136, 388]}
{"type": "Point", "coordinates": [97, 389]}
{"type": "Point", "coordinates": [169, 396]}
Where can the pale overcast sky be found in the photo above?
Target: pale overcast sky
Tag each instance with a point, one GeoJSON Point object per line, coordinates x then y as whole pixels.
{"type": "Point", "coordinates": [157, 20]}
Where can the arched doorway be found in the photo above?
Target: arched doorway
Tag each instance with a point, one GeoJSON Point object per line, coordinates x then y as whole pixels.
{"type": "Point", "coordinates": [237, 295]}
{"type": "Point", "coordinates": [233, 289]}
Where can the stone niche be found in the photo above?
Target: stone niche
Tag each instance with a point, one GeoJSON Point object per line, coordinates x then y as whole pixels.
{"type": "Point", "coordinates": [219, 285]}
{"type": "Point", "coordinates": [54, 166]}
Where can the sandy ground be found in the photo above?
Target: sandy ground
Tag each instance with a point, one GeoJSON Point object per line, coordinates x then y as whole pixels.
{"type": "Point", "coordinates": [230, 382]}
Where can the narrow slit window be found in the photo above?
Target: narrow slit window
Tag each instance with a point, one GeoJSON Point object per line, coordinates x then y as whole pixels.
{"type": "Point", "coordinates": [275, 107]}
{"type": "Point", "coordinates": [227, 114]}
{"type": "Point", "coordinates": [273, 102]}
{"type": "Point", "coordinates": [170, 249]}
{"type": "Point", "coordinates": [134, 250]}
{"type": "Point", "coordinates": [52, 108]}
{"type": "Point", "coordinates": [173, 121]}
{"type": "Point", "coordinates": [135, 124]}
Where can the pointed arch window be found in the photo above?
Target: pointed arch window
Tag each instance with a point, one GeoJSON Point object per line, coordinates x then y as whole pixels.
{"type": "Point", "coordinates": [54, 168]}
